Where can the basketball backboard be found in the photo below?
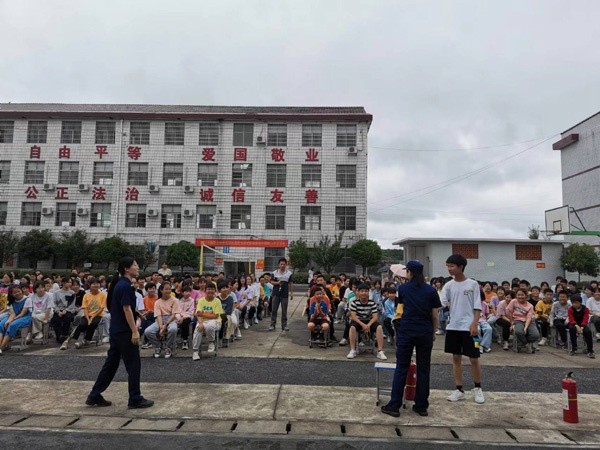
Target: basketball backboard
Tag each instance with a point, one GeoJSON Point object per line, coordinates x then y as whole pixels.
{"type": "Point", "coordinates": [557, 220]}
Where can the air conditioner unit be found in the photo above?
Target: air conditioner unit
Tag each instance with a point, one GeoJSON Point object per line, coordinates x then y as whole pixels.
{"type": "Point", "coordinates": [49, 187]}
{"type": "Point", "coordinates": [82, 211]}
{"type": "Point", "coordinates": [352, 151]}
{"type": "Point", "coordinates": [242, 226]}
{"type": "Point", "coordinates": [260, 140]}
{"type": "Point", "coordinates": [154, 188]}
{"type": "Point", "coordinates": [47, 211]}
{"type": "Point", "coordinates": [84, 187]}
{"type": "Point", "coordinates": [188, 213]}
{"type": "Point", "coordinates": [188, 189]}
{"type": "Point", "coordinates": [153, 213]}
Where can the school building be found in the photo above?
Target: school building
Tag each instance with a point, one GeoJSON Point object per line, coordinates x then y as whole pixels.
{"type": "Point", "coordinates": [245, 181]}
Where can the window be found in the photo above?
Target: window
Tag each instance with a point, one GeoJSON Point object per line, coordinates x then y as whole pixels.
{"type": "Point", "coordinates": [135, 216]}
{"type": "Point", "coordinates": [276, 175]}
{"type": "Point", "coordinates": [139, 133]}
{"type": "Point", "coordinates": [105, 132]}
{"type": "Point", "coordinates": [70, 133]}
{"type": "Point", "coordinates": [138, 174]}
{"type": "Point", "coordinates": [275, 218]}
{"type": "Point", "coordinates": [31, 214]}
{"type": "Point", "coordinates": [173, 174]}
{"type": "Point", "coordinates": [241, 175]}
{"type": "Point", "coordinates": [469, 251]}
{"type": "Point", "coordinates": [311, 175]}
{"type": "Point", "coordinates": [310, 217]}
{"type": "Point", "coordinates": [7, 129]}
{"type": "Point", "coordinates": [312, 135]}
{"type": "Point", "coordinates": [240, 217]}
{"type": "Point", "coordinates": [243, 134]}
{"type": "Point", "coordinates": [4, 172]}
{"type": "Point", "coordinates": [345, 218]}
{"type": "Point", "coordinates": [3, 212]}
{"type": "Point", "coordinates": [272, 256]}
{"type": "Point", "coordinates": [277, 135]}
{"type": "Point", "coordinates": [100, 215]}
{"type": "Point", "coordinates": [34, 172]}
{"type": "Point", "coordinates": [174, 133]}
{"type": "Point", "coordinates": [207, 174]}
{"type": "Point", "coordinates": [209, 134]}
{"type": "Point", "coordinates": [345, 176]}
{"type": "Point", "coordinates": [346, 136]}
{"type": "Point", "coordinates": [170, 216]}
{"type": "Point", "coordinates": [65, 214]}
{"type": "Point", "coordinates": [103, 173]}
{"type": "Point", "coordinates": [528, 252]}
{"type": "Point", "coordinates": [205, 216]}
{"type": "Point", "coordinates": [68, 172]}
{"type": "Point", "coordinates": [37, 131]}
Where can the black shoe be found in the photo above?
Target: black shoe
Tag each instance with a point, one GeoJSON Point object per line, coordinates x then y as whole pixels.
{"type": "Point", "coordinates": [420, 411]}
{"type": "Point", "coordinates": [390, 411]}
{"type": "Point", "coordinates": [143, 403]}
{"type": "Point", "coordinates": [99, 401]}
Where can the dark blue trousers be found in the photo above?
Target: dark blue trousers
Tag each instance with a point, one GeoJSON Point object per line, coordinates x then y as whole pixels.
{"type": "Point", "coordinates": [405, 342]}
{"type": "Point", "coordinates": [120, 348]}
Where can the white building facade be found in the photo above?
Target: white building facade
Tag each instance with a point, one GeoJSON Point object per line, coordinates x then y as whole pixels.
{"type": "Point", "coordinates": [162, 174]}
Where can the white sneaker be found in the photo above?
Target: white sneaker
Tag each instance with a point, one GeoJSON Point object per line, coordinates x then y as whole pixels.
{"type": "Point", "coordinates": [389, 340]}
{"type": "Point", "coordinates": [456, 396]}
{"type": "Point", "coordinates": [478, 395]}
{"type": "Point", "coordinates": [543, 342]}
{"type": "Point", "coordinates": [381, 355]}
{"type": "Point", "coordinates": [211, 347]}
{"type": "Point", "coordinates": [439, 332]}
{"type": "Point", "coordinates": [157, 352]}
{"type": "Point", "coordinates": [184, 345]}
{"type": "Point", "coordinates": [78, 344]}
{"type": "Point", "coordinates": [238, 334]}
{"type": "Point", "coordinates": [195, 356]}
{"type": "Point", "coordinates": [597, 335]}
{"type": "Point", "coordinates": [39, 336]}
{"type": "Point", "coordinates": [255, 320]}
{"type": "Point", "coordinates": [361, 344]}
{"type": "Point", "coordinates": [351, 354]}
{"type": "Point", "coordinates": [336, 321]}
{"type": "Point", "coordinates": [65, 345]}
{"type": "Point", "coordinates": [343, 342]}
{"type": "Point", "coordinates": [105, 340]}
{"type": "Point", "coordinates": [246, 325]}
{"type": "Point", "coordinates": [487, 349]}
{"type": "Point", "coordinates": [146, 345]}
{"type": "Point", "coordinates": [168, 353]}
{"type": "Point", "coordinates": [505, 345]}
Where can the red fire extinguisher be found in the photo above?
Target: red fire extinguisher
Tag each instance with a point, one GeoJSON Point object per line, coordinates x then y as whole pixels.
{"type": "Point", "coordinates": [569, 392]}
{"type": "Point", "coordinates": [411, 383]}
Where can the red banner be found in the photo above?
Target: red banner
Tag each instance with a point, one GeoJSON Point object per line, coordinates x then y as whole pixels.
{"type": "Point", "coordinates": [262, 243]}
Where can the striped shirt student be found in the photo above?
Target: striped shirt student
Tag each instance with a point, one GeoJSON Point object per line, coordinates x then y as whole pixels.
{"type": "Point", "coordinates": [364, 311]}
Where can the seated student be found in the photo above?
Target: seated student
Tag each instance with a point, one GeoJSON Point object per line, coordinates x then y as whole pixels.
{"type": "Point", "coordinates": [389, 313]}
{"type": "Point", "coordinates": [267, 292]}
{"type": "Point", "coordinates": [363, 317]}
{"type": "Point", "coordinates": [318, 312]}
{"type": "Point", "coordinates": [166, 312]}
{"type": "Point", "coordinates": [228, 304]}
{"type": "Point", "coordinates": [343, 309]}
{"type": "Point", "coordinates": [208, 312]}
{"type": "Point", "coordinates": [187, 309]}
{"type": "Point", "coordinates": [93, 306]}
{"type": "Point", "coordinates": [149, 301]}
{"type": "Point", "coordinates": [579, 318]}
{"type": "Point", "coordinates": [559, 318]}
{"type": "Point", "coordinates": [520, 312]}
{"type": "Point", "coordinates": [485, 329]}
{"type": "Point", "coordinates": [542, 314]}
{"type": "Point", "coordinates": [593, 305]}
{"type": "Point", "coordinates": [40, 304]}
{"type": "Point", "coordinates": [19, 317]}
{"type": "Point", "coordinates": [246, 306]}
{"type": "Point", "coordinates": [63, 311]}
{"type": "Point", "coordinates": [79, 292]}
{"type": "Point", "coordinates": [502, 320]}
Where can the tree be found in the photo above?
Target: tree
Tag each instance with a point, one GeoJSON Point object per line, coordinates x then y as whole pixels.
{"type": "Point", "coordinates": [183, 254]}
{"type": "Point", "coordinates": [299, 254]}
{"type": "Point", "coordinates": [328, 254]}
{"type": "Point", "coordinates": [110, 250]}
{"type": "Point", "coordinates": [75, 248]}
{"type": "Point", "coordinates": [144, 254]}
{"type": "Point", "coordinates": [581, 258]}
{"type": "Point", "coordinates": [366, 253]}
{"type": "Point", "coordinates": [534, 232]}
{"type": "Point", "coordinates": [9, 243]}
{"type": "Point", "coordinates": [36, 246]}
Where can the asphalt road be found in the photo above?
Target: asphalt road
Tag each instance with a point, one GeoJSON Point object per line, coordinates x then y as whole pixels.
{"type": "Point", "coordinates": [284, 371]}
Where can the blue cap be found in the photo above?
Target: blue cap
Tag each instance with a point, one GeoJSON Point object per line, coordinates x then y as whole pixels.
{"type": "Point", "coordinates": [414, 266]}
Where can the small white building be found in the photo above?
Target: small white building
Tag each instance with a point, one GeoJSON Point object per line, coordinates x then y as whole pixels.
{"type": "Point", "coordinates": [488, 259]}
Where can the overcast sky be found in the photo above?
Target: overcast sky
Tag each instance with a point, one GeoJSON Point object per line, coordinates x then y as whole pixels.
{"type": "Point", "coordinates": [454, 87]}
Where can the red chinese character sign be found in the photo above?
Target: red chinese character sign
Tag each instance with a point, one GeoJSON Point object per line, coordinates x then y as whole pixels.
{"type": "Point", "coordinates": [132, 194]}
{"type": "Point", "coordinates": [312, 155]}
{"type": "Point", "coordinates": [101, 151]}
{"type": "Point", "coordinates": [207, 195]}
{"type": "Point", "coordinates": [208, 154]}
{"type": "Point", "coordinates": [64, 152]}
{"type": "Point", "coordinates": [278, 155]}
{"type": "Point", "coordinates": [62, 193]}
{"type": "Point", "coordinates": [31, 192]}
{"type": "Point", "coordinates": [134, 153]}
{"type": "Point", "coordinates": [35, 152]}
{"type": "Point", "coordinates": [311, 195]}
{"type": "Point", "coordinates": [277, 196]}
{"type": "Point", "coordinates": [239, 195]}
{"type": "Point", "coordinates": [240, 154]}
{"type": "Point", "coordinates": [99, 193]}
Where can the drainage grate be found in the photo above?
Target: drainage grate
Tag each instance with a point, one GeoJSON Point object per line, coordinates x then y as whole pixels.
{"type": "Point", "coordinates": [455, 434]}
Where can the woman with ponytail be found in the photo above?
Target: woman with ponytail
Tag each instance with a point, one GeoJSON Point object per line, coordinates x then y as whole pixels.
{"type": "Point", "coordinates": [124, 338]}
